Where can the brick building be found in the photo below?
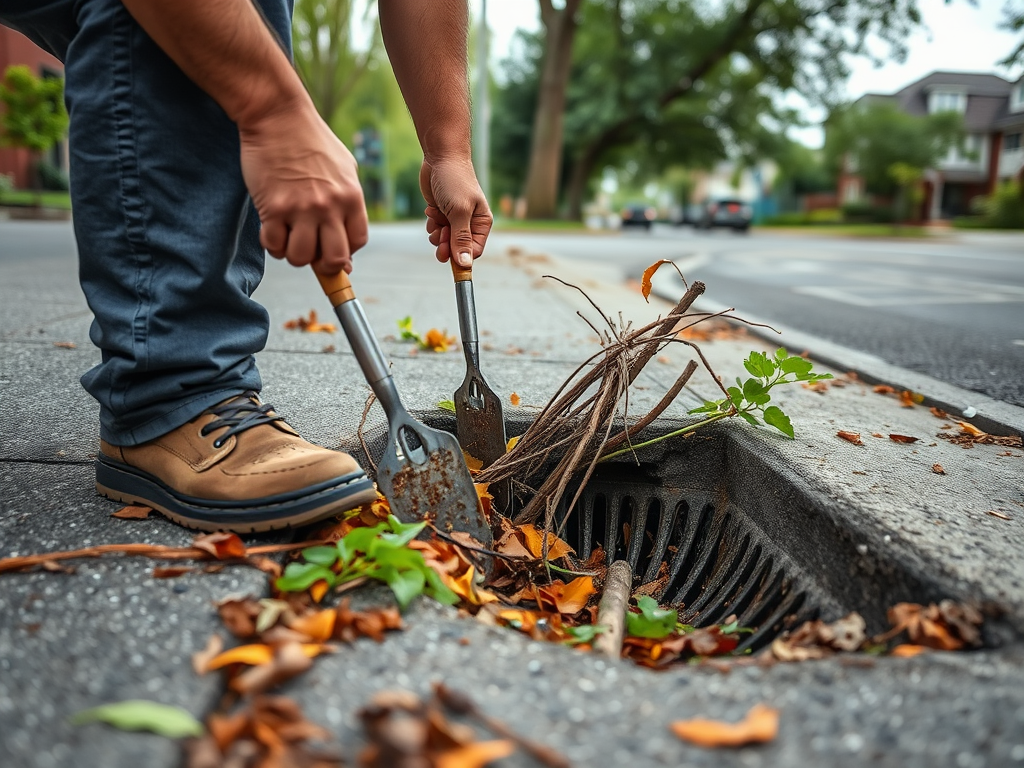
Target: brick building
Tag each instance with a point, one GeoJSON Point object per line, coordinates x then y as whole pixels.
{"type": "Point", "coordinates": [15, 48]}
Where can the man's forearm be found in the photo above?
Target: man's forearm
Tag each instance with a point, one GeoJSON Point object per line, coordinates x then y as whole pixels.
{"type": "Point", "coordinates": [226, 48]}
{"type": "Point", "coordinates": [426, 42]}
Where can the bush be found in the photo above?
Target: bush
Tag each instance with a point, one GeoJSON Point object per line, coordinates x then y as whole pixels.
{"type": "Point", "coordinates": [825, 216]}
{"type": "Point", "coordinates": [51, 178]}
{"type": "Point", "coordinates": [1005, 208]}
{"type": "Point", "coordinates": [6, 183]}
{"type": "Point", "coordinates": [866, 213]}
{"type": "Point", "coordinates": [791, 219]}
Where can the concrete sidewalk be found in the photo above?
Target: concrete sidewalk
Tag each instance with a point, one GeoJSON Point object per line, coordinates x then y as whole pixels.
{"type": "Point", "coordinates": [111, 632]}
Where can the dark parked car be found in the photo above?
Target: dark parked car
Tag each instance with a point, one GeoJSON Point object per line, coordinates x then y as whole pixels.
{"type": "Point", "coordinates": [638, 215]}
{"type": "Point", "coordinates": [725, 212]}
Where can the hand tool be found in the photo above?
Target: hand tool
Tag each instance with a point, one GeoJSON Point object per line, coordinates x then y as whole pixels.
{"type": "Point", "coordinates": [422, 473]}
{"type": "Point", "coordinates": [480, 422]}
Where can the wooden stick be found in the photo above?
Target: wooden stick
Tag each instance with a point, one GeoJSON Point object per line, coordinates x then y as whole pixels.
{"type": "Point", "coordinates": [611, 612]}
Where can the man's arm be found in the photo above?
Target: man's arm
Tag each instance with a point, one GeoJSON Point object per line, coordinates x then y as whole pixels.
{"type": "Point", "coordinates": [426, 42]}
{"type": "Point", "coordinates": [302, 180]}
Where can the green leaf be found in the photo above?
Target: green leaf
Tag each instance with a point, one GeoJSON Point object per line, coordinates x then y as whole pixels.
{"type": "Point", "coordinates": [710, 406]}
{"type": "Point", "coordinates": [438, 590]}
{"type": "Point", "coordinates": [406, 531]}
{"type": "Point", "coordinates": [734, 628]}
{"type": "Point", "coordinates": [585, 633]}
{"type": "Point", "coordinates": [735, 396]}
{"type": "Point", "coordinates": [300, 576]}
{"type": "Point", "coordinates": [652, 621]}
{"type": "Point", "coordinates": [142, 715]}
{"type": "Point", "coordinates": [385, 553]}
{"type": "Point", "coordinates": [781, 354]}
{"type": "Point", "coordinates": [326, 556]}
{"type": "Point", "coordinates": [752, 388]}
{"type": "Point", "coordinates": [358, 540]}
{"type": "Point", "coordinates": [749, 418]}
{"type": "Point", "coordinates": [405, 330]}
{"type": "Point", "coordinates": [447, 405]}
{"type": "Point", "coordinates": [406, 585]}
{"type": "Point", "coordinates": [774, 416]}
{"type": "Point", "coordinates": [797, 365]}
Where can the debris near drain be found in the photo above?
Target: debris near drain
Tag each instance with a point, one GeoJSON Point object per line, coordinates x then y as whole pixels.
{"type": "Point", "coordinates": [816, 639]}
{"type": "Point", "coordinates": [970, 435]}
{"type": "Point", "coordinates": [310, 324]}
{"type": "Point", "coordinates": [760, 725]}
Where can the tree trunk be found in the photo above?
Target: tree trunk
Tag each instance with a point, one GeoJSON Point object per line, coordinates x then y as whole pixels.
{"type": "Point", "coordinates": [581, 170]}
{"type": "Point", "coordinates": [545, 167]}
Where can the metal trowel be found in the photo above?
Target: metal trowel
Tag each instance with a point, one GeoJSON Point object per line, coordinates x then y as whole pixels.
{"type": "Point", "coordinates": [422, 473]}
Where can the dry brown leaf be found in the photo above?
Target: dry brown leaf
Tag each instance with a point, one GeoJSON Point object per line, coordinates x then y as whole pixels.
{"type": "Point", "coordinates": [318, 626]}
{"type": "Point", "coordinates": [883, 389]}
{"type": "Point", "coordinates": [472, 462]}
{"type": "Point", "coordinates": [239, 616]}
{"type": "Point", "coordinates": [816, 639]}
{"type": "Point", "coordinates": [938, 413]}
{"type": "Point", "coordinates": [514, 399]}
{"type": "Point", "coordinates": [534, 541]}
{"type": "Point", "coordinates": [132, 513]}
{"type": "Point", "coordinates": [310, 324]}
{"type": "Point", "coordinates": [969, 429]}
{"type": "Point", "coordinates": [1000, 515]}
{"type": "Point", "coordinates": [201, 659]}
{"type": "Point", "coordinates": [253, 655]}
{"type": "Point", "coordinates": [568, 599]}
{"type": "Point", "coordinates": [938, 470]}
{"type": "Point", "coordinates": [909, 399]}
{"type": "Point", "coordinates": [291, 659]}
{"type": "Point", "coordinates": [903, 439]}
{"type": "Point", "coordinates": [222, 545]}
{"type": "Point", "coordinates": [947, 626]}
{"type": "Point", "coordinates": [171, 572]}
{"type": "Point", "coordinates": [850, 437]}
{"type": "Point", "coordinates": [645, 281]}
{"type": "Point", "coordinates": [474, 755]}
{"type": "Point", "coordinates": [760, 725]}
{"type": "Point", "coordinates": [65, 345]}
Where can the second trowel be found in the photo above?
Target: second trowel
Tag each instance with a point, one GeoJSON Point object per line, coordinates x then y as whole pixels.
{"type": "Point", "coordinates": [479, 419]}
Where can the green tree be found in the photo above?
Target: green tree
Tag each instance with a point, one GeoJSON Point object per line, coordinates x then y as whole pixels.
{"type": "Point", "coordinates": [34, 117]}
{"type": "Point", "coordinates": [661, 53]}
{"type": "Point", "coordinates": [1013, 20]}
{"type": "Point", "coordinates": [875, 137]}
{"type": "Point", "coordinates": [331, 66]}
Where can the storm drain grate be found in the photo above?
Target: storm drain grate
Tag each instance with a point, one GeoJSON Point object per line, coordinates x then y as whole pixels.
{"type": "Point", "coordinates": [713, 562]}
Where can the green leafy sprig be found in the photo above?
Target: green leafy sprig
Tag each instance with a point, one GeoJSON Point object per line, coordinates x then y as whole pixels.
{"type": "Point", "coordinates": [405, 331]}
{"type": "Point", "coordinates": [749, 398]}
{"type": "Point", "coordinates": [381, 552]}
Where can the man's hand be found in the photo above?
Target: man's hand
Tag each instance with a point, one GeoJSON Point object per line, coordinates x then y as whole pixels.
{"type": "Point", "coordinates": [458, 218]}
{"type": "Point", "coordinates": [304, 185]}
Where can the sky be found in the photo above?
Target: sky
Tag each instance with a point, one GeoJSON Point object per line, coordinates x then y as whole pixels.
{"type": "Point", "coordinates": [957, 36]}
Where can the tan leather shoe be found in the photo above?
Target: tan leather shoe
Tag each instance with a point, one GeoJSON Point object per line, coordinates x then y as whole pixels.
{"type": "Point", "coordinates": [236, 467]}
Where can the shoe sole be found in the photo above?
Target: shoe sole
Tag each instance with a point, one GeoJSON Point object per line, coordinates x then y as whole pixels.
{"type": "Point", "coordinates": [126, 484]}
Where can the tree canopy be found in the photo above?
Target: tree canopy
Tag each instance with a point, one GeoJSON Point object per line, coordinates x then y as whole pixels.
{"type": "Point", "coordinates": [34, 117]}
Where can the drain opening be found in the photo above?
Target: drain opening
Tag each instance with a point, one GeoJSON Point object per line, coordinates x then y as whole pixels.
{"type": "Point", "coordinates": [709, 564]}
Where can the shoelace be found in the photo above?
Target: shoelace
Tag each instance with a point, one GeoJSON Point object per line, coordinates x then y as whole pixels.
{"type": "Point", "coordinates": [238, 414]}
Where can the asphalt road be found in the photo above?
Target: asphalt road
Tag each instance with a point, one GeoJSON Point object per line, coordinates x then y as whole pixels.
{"type": "Point", "coordinates": [953, 310]}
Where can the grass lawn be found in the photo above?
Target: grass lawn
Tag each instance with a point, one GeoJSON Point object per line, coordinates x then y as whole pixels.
{"type": "Point", "coordinates": [60, 200]}
{"type": "Point", "coordinates": [853, 230]}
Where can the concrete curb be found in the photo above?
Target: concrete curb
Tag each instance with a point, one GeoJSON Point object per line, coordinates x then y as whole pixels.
{"type": "Point", "coordinates": [993, 416]}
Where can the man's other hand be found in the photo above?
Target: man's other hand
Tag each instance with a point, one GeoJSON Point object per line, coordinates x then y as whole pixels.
{"type": "Point", "coordinates": [305, 186]}
{"type": "Point", "coordinates": [458, 217]}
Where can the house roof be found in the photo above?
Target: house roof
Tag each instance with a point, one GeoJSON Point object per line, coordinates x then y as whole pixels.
{"type": "Point", "coordinates": [988, 98]}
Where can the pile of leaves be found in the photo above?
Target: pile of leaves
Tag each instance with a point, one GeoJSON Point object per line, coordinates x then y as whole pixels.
{"type": "Point", "coordinates": [310, 324]}
{"type": "Point", "coordinates": [432, 341]}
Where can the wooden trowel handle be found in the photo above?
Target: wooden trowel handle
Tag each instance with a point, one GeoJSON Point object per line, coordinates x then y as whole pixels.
{"type": "Point", "coordinates": [461, 274]}
{"type": "Point", "coordinates": [338, 288]}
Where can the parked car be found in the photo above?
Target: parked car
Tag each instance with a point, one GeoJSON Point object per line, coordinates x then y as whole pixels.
{"type": "Point", "coordinates": [639, 215]}
{"type": "Point", "coordinates": [724, 212]}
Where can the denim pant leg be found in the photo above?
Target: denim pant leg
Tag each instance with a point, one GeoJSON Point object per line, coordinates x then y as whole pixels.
{"type": "Point", "coordinates": [168, 239]}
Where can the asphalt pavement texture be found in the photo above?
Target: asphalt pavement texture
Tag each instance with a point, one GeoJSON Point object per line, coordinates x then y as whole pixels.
{"type": "Point", "coordinates": [874, 516]}
{"type": "Point", "coordinates": [951, 307]}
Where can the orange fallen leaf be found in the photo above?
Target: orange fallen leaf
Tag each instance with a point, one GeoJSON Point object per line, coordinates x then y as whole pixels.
{"type": "Point", "coordinates": [132, 513]}
{"type": "Point", "coordinates": [645, 281]}
{"type": "Point", "coordinates": [906, 650]}
{"type": "Point", "coordinates": [1000, 515]}
{"type": "Point", "coordinates": [938, 413]}
{"type": "Point", "coordinates": [253, 655]}
{"type": "Point", "coordinates": [569, 598]}
{"type": "Point", "coordinates": [877, 434]}
{"type": "Point", "coordinates": [909, 399]}
{"type": "Point", "coordinates": [474, 755]}
{"type": "Point", "coordinates": [760, 725]}
{"type": "Point", "coordinates": [65, 345]}
{"type": "Point", "coordinates": [850, 437]}
{"type": "Point", "coordinates": [969, 429]}
{"type": "Point", "coordinates": [903, 439]}
{"type": "Point", "coordinates": [534, 542]}
{"type": "Point", "coordinates": [512, 442]}
{"type": "Point", "coordinates": [464, 586]}
{"type": "Point", "coordinates": [317, 626]}
{"type": "Point", "coordinates": [222, 545]}
{"type": "Point", "coordinates": [310, 324]}
{"type": "Point", "coordinates": [472, 462]}
{"type": "Point", "coordinates": [883, 389]}
{"type": "Point", "coordinates": [514, 399]}
{"type": "Point", "coordinates": [438, 341]}
{"type": "Point", "coordinates": [938, 470]}
{"type": "Point", "coordinates": [318, 590]}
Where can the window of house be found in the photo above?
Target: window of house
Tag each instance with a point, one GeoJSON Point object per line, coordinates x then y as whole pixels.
{"type": "Point", "coordinates": [947, 101]}
{"type": "Point", "coordinates": [1011, 141]}
{"type": "Point", "coordinates": [1017, 97]}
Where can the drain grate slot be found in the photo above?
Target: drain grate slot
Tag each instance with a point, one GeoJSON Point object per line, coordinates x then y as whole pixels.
{"type": "Point", "coordinates": [715, 561]}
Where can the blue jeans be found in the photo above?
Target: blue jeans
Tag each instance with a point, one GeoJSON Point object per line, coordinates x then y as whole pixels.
{"type": "Point", "coordinates": [168, 239]}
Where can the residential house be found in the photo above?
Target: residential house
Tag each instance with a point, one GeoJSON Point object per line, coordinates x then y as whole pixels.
{"type": "Point", "coordinates": [993, 114]}
{"type": "Point", "coordinates": [16, 49]}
